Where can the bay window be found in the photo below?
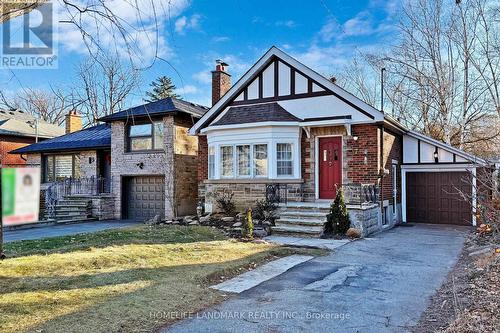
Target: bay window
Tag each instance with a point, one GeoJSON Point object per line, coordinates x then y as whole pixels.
{"type": "Point", "coordinates": [227, 161]}
{"type": "Point", "coordinates": [211, 162]}
{"type": "Point", "coordinates": [147, 136]}
{"type": "Point", "coordinates": [284, 159]}
{"type": "Point", "coordinates": [260, 160]}
{"type": "Point", "coordinates": [243, 160]}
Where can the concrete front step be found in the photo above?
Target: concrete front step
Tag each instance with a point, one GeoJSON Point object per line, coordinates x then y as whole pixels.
{"type": "Point", "coordinates": [297, 230]}
{"type": "Point", "coordinates": [306, 222]}
{"type": "Point", "coordinates": [64, 204]}
{"type": "Point", "coordinates": [88, 219]}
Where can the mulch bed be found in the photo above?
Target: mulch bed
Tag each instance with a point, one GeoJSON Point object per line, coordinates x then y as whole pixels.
{"type": "Point", "coordinates": [469, 299]}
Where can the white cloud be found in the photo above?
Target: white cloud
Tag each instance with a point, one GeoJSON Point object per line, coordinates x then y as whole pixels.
{"type": "Point", "coordinates": [180, 24]}
{"type": "Point", "coordinates": [187, 90]}
{"type": "Point", "coordinates": [219, 39]}
{"type": "Point", "coordinates": [203, 76]}
{"type": "Point", "coordinates": [329, 30]}
{"type": "Point", "coordinates": [184, 23]}
{"type": "Point", "coordinates": [287, 23]}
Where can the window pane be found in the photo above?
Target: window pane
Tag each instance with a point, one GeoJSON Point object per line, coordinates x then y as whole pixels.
{"type": "Point", "coordinates": [243, 160]}
{"type": "Point", "coordinates": [158, 128]}
{"type": "Point", "coordinates": [211, 162]}
{"type": "Point", "coordinates": [285, 168]}
{"type": "Point", "coordinates": [284, 159]}
{"type": "Point", "coordinates": [140, 130]}
{"type": "Point", "coordinates": [49, 168]}
{"type": "Point", "coordinates": [141, 143]}
{"type": "Point", "coordinates": [227, 161]}
{"type": "Point", "coordinates": [63, 166]}
{"type": "Point", "coordinates": [260, 160]}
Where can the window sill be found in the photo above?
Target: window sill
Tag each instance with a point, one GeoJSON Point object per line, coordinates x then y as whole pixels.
{"type": "Point", "coordinates": [138, 152]}
{"type": "Point", "coordinates": [253, 181]}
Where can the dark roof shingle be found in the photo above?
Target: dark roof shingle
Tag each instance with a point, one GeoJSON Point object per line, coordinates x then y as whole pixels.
{"type": "Point", "coordinates": [161, 107]}
{"type": "Point", "coordinates": [90, 138]}
{"type": "Point", "coordinates": [255, 113]}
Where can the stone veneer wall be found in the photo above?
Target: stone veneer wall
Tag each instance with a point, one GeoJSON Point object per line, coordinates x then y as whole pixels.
{"type": "Point", "coordinates": [125, 163]}
{"type": "Point", "coordinates": [103, 206]}
{"type": "Point", "coordinates": [178, 163]}
{"type": "Point", "coordinates": [366, 218]}
{"type": "Point", "coordinates": [246, 194]}
{"type": "Point", "coordinates": [88, 169]}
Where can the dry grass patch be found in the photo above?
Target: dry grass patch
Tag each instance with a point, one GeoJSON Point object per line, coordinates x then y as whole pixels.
{"type": "Point", "coordinates": [116, 285]}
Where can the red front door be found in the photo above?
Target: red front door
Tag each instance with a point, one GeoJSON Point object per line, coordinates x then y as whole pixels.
{"type": "Point", "coordinates": [330, 166]}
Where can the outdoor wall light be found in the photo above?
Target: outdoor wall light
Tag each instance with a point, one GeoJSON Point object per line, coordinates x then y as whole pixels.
{"type": "Point", "coordinates": [140, 165]}
{"type": "Point", "coordinates": [355, 138]}
{"type": "Point", "coordinates": [91, 160]}
{"type": "Point", "coordinates": [436, 156]}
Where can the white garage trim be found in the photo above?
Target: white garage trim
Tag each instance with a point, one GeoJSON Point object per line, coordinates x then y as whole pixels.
{"type": "Point", "coordinates": [438, 168]}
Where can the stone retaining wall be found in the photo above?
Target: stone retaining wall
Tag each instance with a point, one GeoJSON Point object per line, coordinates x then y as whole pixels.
{"type": "Point", "coordinates": [245, 194]}
{"type": "Point", "coordinates": [365, 218]}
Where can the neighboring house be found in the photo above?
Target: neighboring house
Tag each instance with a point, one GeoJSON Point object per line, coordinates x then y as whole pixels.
{"type": "Point", "coordinates": [142, 158]}
{"type": "Point", "coordinates": [154, 160]}
{"type": "Point", "coordinates": [19, 129]}
{"type": "Point", "coordinates": [285, 132]}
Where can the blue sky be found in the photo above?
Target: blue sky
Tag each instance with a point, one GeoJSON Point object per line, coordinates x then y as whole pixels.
{"type": "Point", "coordinates": [324, 34]}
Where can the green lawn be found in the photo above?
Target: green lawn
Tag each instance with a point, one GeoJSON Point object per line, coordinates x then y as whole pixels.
{"type": "Point", "coordinates": [115, 281]}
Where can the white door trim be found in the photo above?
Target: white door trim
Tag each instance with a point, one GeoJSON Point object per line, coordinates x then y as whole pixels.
{"type": "Point", "coordinates": [450, 168]}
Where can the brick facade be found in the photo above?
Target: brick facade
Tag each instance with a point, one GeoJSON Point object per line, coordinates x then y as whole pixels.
{"type": "Point", "coordinates": [10, 143]}
{"type": "Point", "coordinates": [363, 155]}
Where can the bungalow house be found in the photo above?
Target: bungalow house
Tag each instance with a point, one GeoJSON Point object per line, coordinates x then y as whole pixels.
{"type": "Point", "coordinates": [287, 133]}
{"type": "Point", "coordinates": [19, 129]}
{"type": "Point", "coordinates": [139, 163]}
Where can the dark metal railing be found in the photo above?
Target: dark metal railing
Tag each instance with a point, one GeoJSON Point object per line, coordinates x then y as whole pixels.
{"type": "Point", "coordinates": [81, 186]}
{"type": "Point", "coordinates": [357, 194]}
{"type": "Point", "coordinates": [74, 186]}
{"type": "Point", "coordinates": [277, 193]}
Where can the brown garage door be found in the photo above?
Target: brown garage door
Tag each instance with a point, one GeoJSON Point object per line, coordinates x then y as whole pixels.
{"type": "Point", "coordinates": [144, 197]}
{"type": "Point", "coordinates": [432, 197]}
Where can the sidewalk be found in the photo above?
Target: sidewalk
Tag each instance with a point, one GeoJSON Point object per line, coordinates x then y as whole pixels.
{"type": "Point", "coordinates": [64, 229]}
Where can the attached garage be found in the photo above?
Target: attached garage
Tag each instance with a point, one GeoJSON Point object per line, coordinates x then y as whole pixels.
{"type": "Point", "coordinates": [434, 175]}
{"type": "Point", "coordinates": [144, 197]}
{"type": "Point", "coordinates": [434, 197]}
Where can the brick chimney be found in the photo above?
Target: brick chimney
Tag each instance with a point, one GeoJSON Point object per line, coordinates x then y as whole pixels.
{"type": "Point", "coordinates": [73, 122]}
{"type": "Point", "coordinates": [221, 81]}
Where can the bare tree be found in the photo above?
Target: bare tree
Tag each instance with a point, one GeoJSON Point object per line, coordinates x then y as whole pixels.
{"type": "Point", "coordinates": [358, 77]}
{"type": "Point", "coordinates": [442, 74]}
{"type": "Point", "coordinates": [104, 87]}
{"type": "Point", "coordinates": [50, 106]}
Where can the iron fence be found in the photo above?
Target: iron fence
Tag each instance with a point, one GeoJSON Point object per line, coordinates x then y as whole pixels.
{"type": "Point", "coordinates": [74, 186]}
{"type": "Point", "coordinates": [277, 193]}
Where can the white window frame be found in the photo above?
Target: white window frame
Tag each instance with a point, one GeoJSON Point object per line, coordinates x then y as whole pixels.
{"type": "Point", "coordinates": [221, 166]}
{"type": "Point", "coordinates": [253, 160]}
{"type": "Point", "coordinates": [211, 175]}
{"type": "Point", "coordinates": [293, 159]}
{"type": "Point", "coordinates": [236, 160]}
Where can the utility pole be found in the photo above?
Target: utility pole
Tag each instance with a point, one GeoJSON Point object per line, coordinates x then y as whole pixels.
{"type": "Point", "coordinates": [382, 89]}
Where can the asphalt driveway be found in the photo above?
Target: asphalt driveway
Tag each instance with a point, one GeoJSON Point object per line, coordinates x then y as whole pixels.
{"type": "Point", "coordinates": [380, 284]}
{"type": "Point", "coordinates": [64, 229]}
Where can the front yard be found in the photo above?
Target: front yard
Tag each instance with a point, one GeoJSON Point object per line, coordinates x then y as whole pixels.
{"type": "Point", "coordinates": [125, 280]}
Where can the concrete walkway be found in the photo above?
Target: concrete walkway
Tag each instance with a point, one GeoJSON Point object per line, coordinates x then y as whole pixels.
{"type": "Point", "coordinates": [64, 229]}
{"type": "Point", "coordinates": [381, 284]}
{"type": "Point", "coordinates": [327, 244]}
